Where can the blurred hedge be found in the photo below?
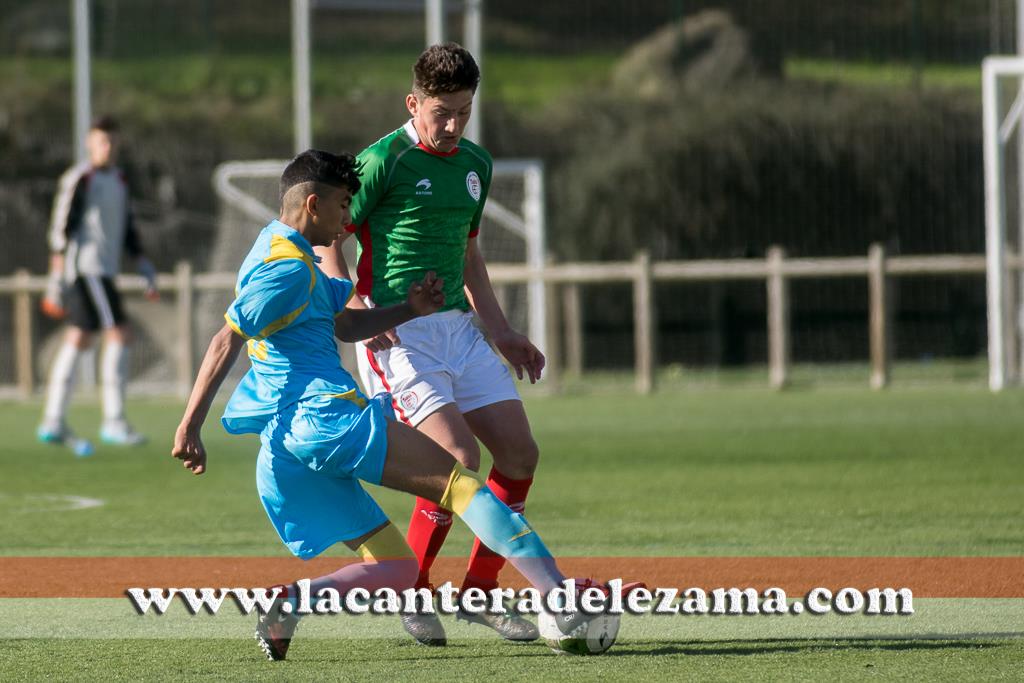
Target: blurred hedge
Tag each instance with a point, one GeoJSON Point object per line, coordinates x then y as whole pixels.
{"type": "Point", "coordinates": [823, 171]}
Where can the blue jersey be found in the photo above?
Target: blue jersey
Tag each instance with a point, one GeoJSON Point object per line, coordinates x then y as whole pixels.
{"type": "Point", "coordinates": [285, 307]}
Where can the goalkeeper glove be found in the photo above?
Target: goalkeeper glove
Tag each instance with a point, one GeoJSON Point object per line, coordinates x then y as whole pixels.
{"type": "Point", "coordinates": [52, 304]}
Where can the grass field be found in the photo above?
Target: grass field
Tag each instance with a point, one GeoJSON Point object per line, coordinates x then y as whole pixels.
{"type": "Point", "coordinates": [526, 81]}
{"type": "Point", "coordinates": [933, 471]}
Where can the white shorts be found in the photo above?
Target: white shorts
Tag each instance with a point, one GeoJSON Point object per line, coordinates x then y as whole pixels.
{"type": "Point", "coordinates": [442, 358]}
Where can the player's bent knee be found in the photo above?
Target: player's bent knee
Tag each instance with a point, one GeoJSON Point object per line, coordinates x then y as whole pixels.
{"type": "Point", "coordinates": [518, 460]}
{"type": "Point", "coordinates": [468, 458]}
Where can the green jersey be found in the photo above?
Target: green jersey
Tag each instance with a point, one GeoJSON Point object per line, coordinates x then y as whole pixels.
{"type": "Point", "coordinates": [415, 212]}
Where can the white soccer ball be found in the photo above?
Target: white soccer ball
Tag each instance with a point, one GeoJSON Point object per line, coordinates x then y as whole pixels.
{"type": "Point", "coordinates": [593, 635]}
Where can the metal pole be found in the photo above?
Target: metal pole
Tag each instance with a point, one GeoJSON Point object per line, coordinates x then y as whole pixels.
{"type": "Point", "coordinates": [995, 230]}
{"type": "Point", "coordinates": [83, 74]}
{"type": "Point", "coordinates": [435, 22]}
{"type": "Point", "coordinates": [1019, 313]}
{"type": "Point", "coordinates": [534, 211]}
{"type": "Point", "coordinates": [301, 75]}
{"type": "Point", "coordinates": [474, 42]}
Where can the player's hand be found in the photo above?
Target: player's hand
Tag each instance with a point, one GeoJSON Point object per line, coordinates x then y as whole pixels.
{"type": "Point", "coordinates": [152, 294]}
{"type": "Point", "coordinates": [521, 354]}
{"type": "Point", "coordinates": [52, 303]}
{"type": "Point", "coordinates": [427, 296]}
{"type": "Point", "coordinates": [383, 342]}
{"type": "Point", "coordinates": [188, 447]}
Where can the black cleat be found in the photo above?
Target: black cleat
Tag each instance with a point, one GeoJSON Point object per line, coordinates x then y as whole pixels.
{"type": "Point", "coordinates": [274, 631]}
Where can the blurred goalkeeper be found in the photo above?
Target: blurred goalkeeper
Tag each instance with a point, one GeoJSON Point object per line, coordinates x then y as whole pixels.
{"type": "Point", "coordinates": [91, 225]}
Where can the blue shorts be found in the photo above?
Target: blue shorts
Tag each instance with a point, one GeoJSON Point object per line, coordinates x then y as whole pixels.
{"type": "Point", "coordinates": [307, 473]}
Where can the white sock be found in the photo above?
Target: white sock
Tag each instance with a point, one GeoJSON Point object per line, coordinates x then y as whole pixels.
{"type": "Point", "coordinates": [114, 370]}
{"type": "Point", "coordinates": [62, 383]}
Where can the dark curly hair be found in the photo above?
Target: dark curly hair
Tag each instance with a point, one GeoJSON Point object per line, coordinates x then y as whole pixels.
{"type": "Point", "coordinates": [444, 68]}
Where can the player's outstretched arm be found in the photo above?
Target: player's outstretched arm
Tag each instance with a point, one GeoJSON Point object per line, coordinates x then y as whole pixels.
{"type": "Point", "coordinates": [333, 263]}
{"type": "Point", "coordinates": [522, 355]}
{"type": "Point", "coordinates": [220, 356]}
{"type": "Point", "coordinates": [424, 298]}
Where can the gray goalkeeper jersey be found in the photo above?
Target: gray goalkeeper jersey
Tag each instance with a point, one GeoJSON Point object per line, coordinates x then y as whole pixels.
{"type": "Point", "coordinates": [92, 221]}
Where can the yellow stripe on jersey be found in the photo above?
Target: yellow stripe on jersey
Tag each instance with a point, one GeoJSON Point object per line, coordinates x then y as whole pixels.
{"type": "Point", "coordinates": [386, 544]}
{"type": "Point", "coordinates": [258, 349]}
{"type": "Point", "coordinates": [462, 486]}
{"type": "Point", "coordinates": [281, 322]}
{"type": "Point", "coordinates": [284, 248]}
{"type": "Point", "coordinates": [235, 328]}
{"type": "Point", "coordinates": [353, 396]}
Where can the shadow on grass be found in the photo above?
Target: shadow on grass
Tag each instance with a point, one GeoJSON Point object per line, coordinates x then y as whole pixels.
{"type": "Point", "coordinates": [768, 646]}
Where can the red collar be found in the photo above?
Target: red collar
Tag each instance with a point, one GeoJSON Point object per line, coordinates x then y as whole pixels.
{"type": "Point", "coordinates": [455, 150]}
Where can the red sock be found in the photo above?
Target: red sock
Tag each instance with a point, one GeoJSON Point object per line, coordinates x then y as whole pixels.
{"type": "Point", "coordinates": [428, 527]}
{"type": "Point", "coordinates": [484, 563]}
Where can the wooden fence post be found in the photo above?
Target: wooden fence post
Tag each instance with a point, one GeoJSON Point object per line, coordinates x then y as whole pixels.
{"type": "Point", "coordinates": [186, 326]}
{"type": "Point", "coordinates": [553, 334]}
{"type": "Point", "coordinates": [878, 317]}
{"type": "Point", "coordinates": [644, 323]}
{"type": "Point", "coordinates": [572, 314]}
{"type": "Point", "coordinates": [778, 319]}
{"type": "Point", "coordinates": [24, 368]}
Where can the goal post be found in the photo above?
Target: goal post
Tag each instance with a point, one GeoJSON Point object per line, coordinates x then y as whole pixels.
{"type": "Point", "coordinates": [1002, 79]}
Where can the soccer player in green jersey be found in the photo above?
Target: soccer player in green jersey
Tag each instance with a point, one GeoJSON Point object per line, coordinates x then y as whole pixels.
{"type": "Point", "coordinates": [419, 210]}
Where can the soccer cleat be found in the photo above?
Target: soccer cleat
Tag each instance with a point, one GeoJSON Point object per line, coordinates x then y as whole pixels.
{"type": "Point", "coordinates": [120, 433]}
{"type": "Point", "coordinates": [274, 631]}
{"type": "Point", "coordinates": [60, 435]}
{"type": "Point", "coordinates": [509, 626]}
{"type": "Point", "coordinates": [425, 628]}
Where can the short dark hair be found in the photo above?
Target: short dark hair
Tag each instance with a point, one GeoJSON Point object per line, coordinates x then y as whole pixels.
{"type": "Point", "coordinates": [324, 168]}
{"type": "Point", "coordinates": [444, 68]}
{"type": "Point", "coordinates": [106, 123]}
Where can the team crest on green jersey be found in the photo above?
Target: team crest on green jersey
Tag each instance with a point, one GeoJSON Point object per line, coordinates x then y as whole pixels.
{"type": "Point", "coordinates": [473, 185]}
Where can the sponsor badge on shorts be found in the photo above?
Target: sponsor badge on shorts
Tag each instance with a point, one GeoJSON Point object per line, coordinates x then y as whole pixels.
{"type": "Point", "coordinates": [473, 185]}
{"type": "Point", "coordinates": [409, 400]}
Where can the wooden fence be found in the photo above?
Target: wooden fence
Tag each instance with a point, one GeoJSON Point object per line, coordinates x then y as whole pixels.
{"type": "Point", "coordinates": [563, 282]}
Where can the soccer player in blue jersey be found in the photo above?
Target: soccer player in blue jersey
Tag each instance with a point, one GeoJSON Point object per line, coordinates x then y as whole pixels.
{"type": "Point", "coordinates": [319, 434]}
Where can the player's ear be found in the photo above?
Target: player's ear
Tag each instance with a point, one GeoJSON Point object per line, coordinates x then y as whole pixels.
{"type": "Point", "coordinates": [312, 204]}
{"type": "Point", "coordinates": [412, 103]}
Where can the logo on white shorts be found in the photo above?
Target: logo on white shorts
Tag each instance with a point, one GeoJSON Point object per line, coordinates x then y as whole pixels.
{"type": "Point", "coordinates": [473, 185]}
{"type": "Point", "coordinates": [409, 400]}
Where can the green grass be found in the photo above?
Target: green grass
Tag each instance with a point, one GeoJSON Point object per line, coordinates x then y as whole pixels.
{"type": "Point", "coordinates": [748, 660]}
{"type": "Point", "coordinates": [922, 471]}
{"type": "Point", "coordinates": [885, 74]}
{"type": "Point", "coordinates": [528, 81]}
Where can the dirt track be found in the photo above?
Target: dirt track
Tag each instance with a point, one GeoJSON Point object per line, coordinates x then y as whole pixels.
{"type": "Point", "coordinates": [927, 577]}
